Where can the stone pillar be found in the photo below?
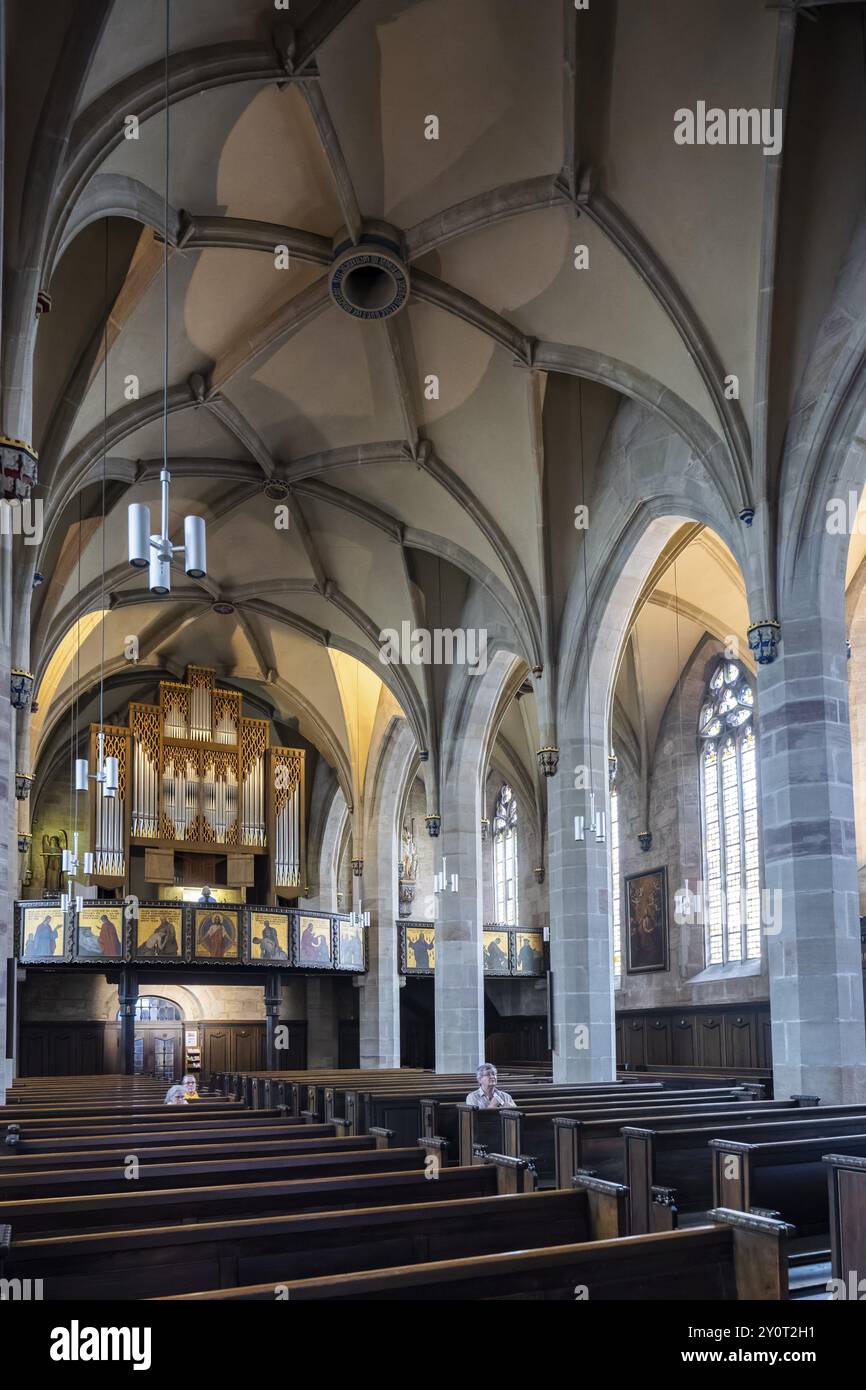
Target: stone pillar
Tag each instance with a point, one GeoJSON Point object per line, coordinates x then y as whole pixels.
{"type": "Point", "coordinates": [127, 992]}
{"type": "Point", "coordinates": [811, 898]}
{"type": "Point", "coordinates": [459, 980]}
{"type": "Point", "coordinates": [377, 893]}
{"type": "Point", "coordinates": [322, 1032]}
{"type": "Point", "coordinates": [581, 948]}
{"type": "Point", "coordinates": [273, 997]}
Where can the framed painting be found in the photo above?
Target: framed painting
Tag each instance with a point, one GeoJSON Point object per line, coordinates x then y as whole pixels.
{"type": "Point", "coordinates": [419, 948]}
{"type": "Point", "coordinates": [158, 933]}
{"type": "Point", "coordinates": [268, 936]}
{"type": "Point", "coordinates": [497, 952]}
{"type": "Point", "coordinates": [529, 953]}
{"type": "Point", "coordinates": [351, 946]}
{"type": "Point", "coordinates": [216, 934]}
{"type": "Point", "coordinates": [314, 942]}
{"type": "Point", "coordinates": [646, 901]}
{"type": "Point", "coordinates": [40, 931]}
{"type": "Point", "coordinates": [98, 932]}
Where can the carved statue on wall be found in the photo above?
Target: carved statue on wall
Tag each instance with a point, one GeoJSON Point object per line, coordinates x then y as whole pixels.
{"type": "Point", "coordinates": [408, 869]}
{"type": "Point", "coordinates": [52, 855]}
{"type": "Point", "coordinates": [409, 854]}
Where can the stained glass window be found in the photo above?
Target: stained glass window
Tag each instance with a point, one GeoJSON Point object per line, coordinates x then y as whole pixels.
{"type": "Point", "coordinates": [505, 858]}
{"type": "Point", "coordinates": [732, 892]}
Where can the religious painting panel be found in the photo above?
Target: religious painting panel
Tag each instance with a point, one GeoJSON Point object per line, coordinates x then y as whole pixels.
{"type": "Point", "coordinates": [98, 932]}
{"type": "Point", "coordinates": [216, 934]}
{"type": "Point", "coordinates": [496, 952]}
{"type": "Point", "coordinates": [158, 933]}
{"type": "Point", "coordinates": [647, 909]}
{"type": "Point", "coordinates": [314, 947]}
{"type": "Point", "coordinates": [418, 948]}
{"type": "Point", "coordinates": [40, 931]}
{"type": "Point", "coordinates": [351, 946]}
{"type": "Point", "coordinates": [268, 940]}
{"type": "Point", "coordinates": [529, 953]}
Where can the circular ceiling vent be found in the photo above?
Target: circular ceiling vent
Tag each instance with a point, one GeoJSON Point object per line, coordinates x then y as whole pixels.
{"type": "Point", "coordinates": [370, 280]}
{"type": "Point", "coordinates": [276, 490]}
{"type": "Point", "coordinates": [221, 606]}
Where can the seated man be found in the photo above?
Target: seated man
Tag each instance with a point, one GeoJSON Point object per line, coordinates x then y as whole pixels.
{"type": "Point", "coordinates": [487, 1097]}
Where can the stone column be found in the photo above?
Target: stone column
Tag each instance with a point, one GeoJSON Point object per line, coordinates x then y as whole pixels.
{"type": "Point", "coordinates": [459, 980]}
{"type": "Point", "coordinates": [811, 897]}
{"type": "Point", "coordinates": [273, 997]}
{"type": "Point", "coordinates": [377, 893]}
{"type": "Point", "coordinates": [127, 992]}
{"type": "Point", "coordinates": [322, 1032]}
{"type": "Point", "coordinates": [581, 949]}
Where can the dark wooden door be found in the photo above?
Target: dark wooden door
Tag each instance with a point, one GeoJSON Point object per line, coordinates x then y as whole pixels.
{"type": "Point", "coordinates": [216, 1050]}
{"type": "Point", "coordinates": [247, 1049]}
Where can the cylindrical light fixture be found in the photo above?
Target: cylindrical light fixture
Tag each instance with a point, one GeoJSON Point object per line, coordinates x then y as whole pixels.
{"type": "Point", "coordinates": [23, 783]}
{"type": "Point", "coordinates": [88, 861]}
{"type": "Point", "coordinates": [112, 775]}
{"type": "Point", "coordinates": [160, 573]}
{"type": "Point", "coordinates": [139, 535]}
{"type": "Point", "coordinates": [20, 688]}
{"type": "Point", "coordinates": [82, 778]}
{"type": "Point", "coordinates": [195, 547]}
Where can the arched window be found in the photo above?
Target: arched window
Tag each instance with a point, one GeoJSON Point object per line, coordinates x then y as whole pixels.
{"type": "Point", "coordinates": [615, 880]}
{"type": "Point", "coordinates": [152, 1008]}
{"type": "Point", "coordinates": [732, 876]}
{"type": "Point", "coordinates": [505, 858]}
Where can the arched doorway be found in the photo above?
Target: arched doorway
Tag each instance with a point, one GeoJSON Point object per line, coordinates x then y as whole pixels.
{"type": "Point", "coordinates": [158, 1037]}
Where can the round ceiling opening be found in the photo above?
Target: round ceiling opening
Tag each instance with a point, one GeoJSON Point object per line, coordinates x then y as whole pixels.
{"type": "Point", "coordinates": [369, 281]}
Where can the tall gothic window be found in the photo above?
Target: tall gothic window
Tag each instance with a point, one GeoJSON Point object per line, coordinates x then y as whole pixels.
{"type": "Point", "coordinates": [505, 858]}
{"type": "Point", "coordinates": [732, 888]}
{"type": "Point", "coordinates": [615, 881]}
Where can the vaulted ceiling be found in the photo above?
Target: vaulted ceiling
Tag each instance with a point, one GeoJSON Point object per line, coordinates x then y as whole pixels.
{"type": "Point", "coordinates": [410, 452]}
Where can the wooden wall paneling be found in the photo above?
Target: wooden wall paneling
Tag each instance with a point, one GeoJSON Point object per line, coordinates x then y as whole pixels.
{"type": "Point", "coordinates": [741, 1047]}
{"type": "Point", "coordinates": [684, 1048]}
{"type": "Point", "coordinates": [711, 1040]}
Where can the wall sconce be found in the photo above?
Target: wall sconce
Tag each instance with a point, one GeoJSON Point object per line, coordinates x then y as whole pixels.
{"type": "Point", "coordinates": [357, 867]}
{"type": "Point", "coordinates": [23, 783]}
{"type": "Point", "coordinates": [20, 688]}
{"type": "Point", "coordinates": [445, 882]}
{"type": "Point", "coordinates": [485, 827]}
{"type": "Point", "coordinates": [548, 760]}
{"type": "Point", "coordinates": [434, 825]}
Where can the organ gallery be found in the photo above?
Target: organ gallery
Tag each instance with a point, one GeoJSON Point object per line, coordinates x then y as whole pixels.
{"type": "Point", "coordinates": [196, 776]}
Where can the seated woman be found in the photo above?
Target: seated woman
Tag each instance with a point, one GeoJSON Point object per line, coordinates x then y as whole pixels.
{"type": "Point", "coordinates": [175, 1095]}
{"type": "Point", "coordinates": [190, 1087]}
{"type": "Point", "coordinates": [488, 1097]}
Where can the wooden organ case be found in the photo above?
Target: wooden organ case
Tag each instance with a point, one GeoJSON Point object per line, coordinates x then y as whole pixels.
{"type": "Point", "coordinates": [196, 776]}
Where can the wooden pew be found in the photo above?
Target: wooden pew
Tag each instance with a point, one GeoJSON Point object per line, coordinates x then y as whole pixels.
{"type": "Point", "coordinates": [846, 1184]}
{"type": "Point", "coordinates": [171, 1174]}
{"type": "Point", "coordinates": [679, 1160]}
{"type": "Point", "coordinates": [139, 1136]}
{"type": "Point", "coordinates": [169, 1119]}
{"type": "Point", "coordinates": [788, 1174]}
{"type": "Point", "coordinates": [137, 1207]}
{"type": "Point", "coordinates": [533, 1132]}
{"type": "Point", "coordinates": [457, 1122]}
{"type": "Point", "coordinates": [178, 1150]}
{"type": "Point", "coordinates": [737, 1257]}
{"type": "Point", "coordinates": [218, 1255]}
